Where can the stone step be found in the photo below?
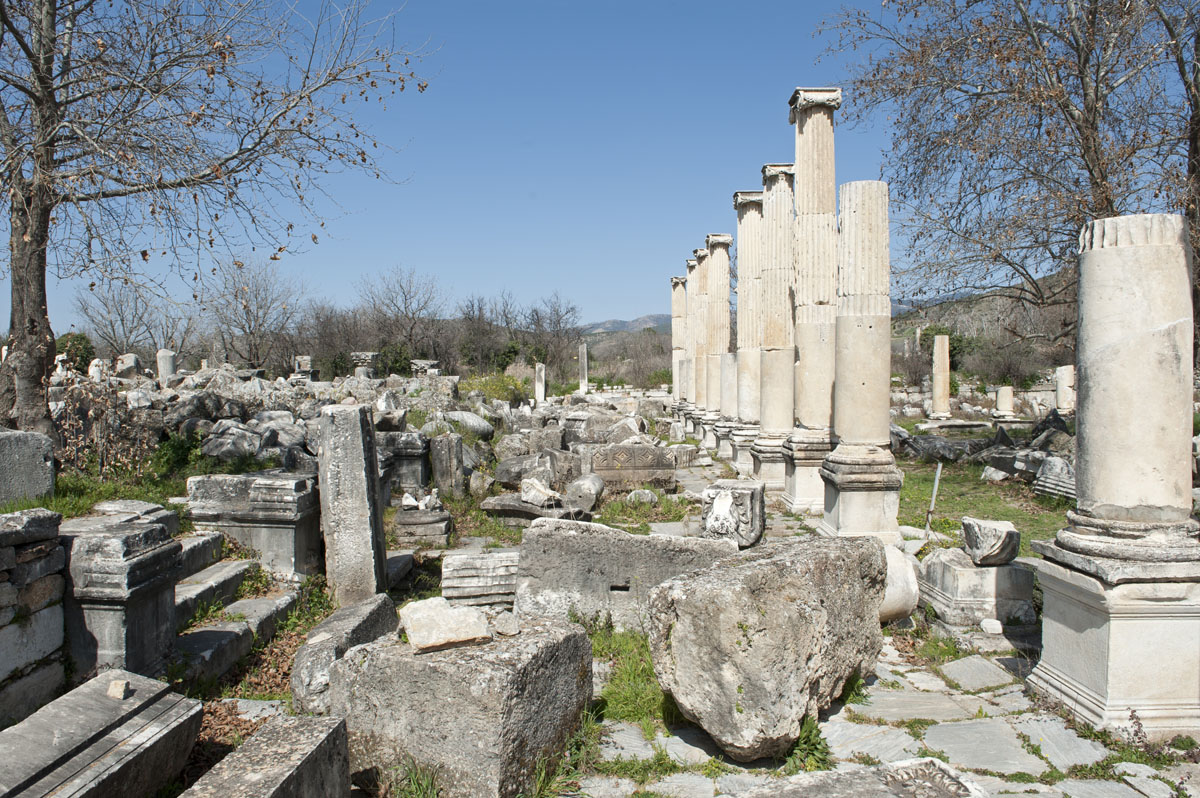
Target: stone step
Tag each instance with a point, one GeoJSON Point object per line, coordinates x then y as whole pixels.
{"type": "Point", "coordinates": [217, 582]}
{"type": "Point", "coordinates": [208, 652]}
{"type": "Point", "coordinates": [199, 552]}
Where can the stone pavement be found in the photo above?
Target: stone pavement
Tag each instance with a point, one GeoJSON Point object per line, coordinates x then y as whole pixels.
{"type": "Point", "coordinates": [972, 712]}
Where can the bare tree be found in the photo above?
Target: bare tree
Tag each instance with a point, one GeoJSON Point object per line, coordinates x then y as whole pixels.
{"type": "Point", "coordinates": [404, 305]}
{"type": "Point", "coordinates": [253, 312]}
{"type": "Point", "coordinates": [125, 317]}
{"type": "Point", "coordinates": [1013, 124]}
{"type": "Point", "coordinates": [553, 325]}
{"type": "Point", "coordinates": [155, 133]}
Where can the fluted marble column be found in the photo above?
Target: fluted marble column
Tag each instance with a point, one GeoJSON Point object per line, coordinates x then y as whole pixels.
{"type": "Point", "coordinates": [862, 483]}
{"type": "Point", "coordinates": [700, 331]}
{"type": "Point", "coordinates": [678, 335]}
{"type": "Point", "coordinates": [722, 363]}
{"type": "Point", "coordinates": [1121, 583]}
{"type": "Point", "coordinates": [939, 379]}
{"type": "Point", "coordinates": [777, 385]}
{"type": "Point", "coordinates": [816, 263]}
{"type": "Point", "coordinates": [748, 205]}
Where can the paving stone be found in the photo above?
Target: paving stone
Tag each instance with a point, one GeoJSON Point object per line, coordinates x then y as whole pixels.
{"type": "Point", "coordinates": [976, 673]}
{"type": "Point", "coordinates": [1134, 769]}
{"type": "Point", "coordinates": [624, 740]}
{"type": "Point", "coordinates": [602, 787]}
{"type": "Point", "coordinates": [890, 654]}
{"type": "Point", "coordinates": [1150, 787]}
{"type": "Point", "coordinates": [989, 744]}
{"type": "Point", "coordinates": [926, 681]}
{"type": "Point", "coordinates": [684, 785]}
{"type": "Point", "coordinates": [734, 783]}
{"type": "Point", "coordinates": [847, 740]}
{"type": "Point", "coordinates": [688, 745]}
{"type": "Point", "coordinates": [1011, 702]}
{"type": "Point", "coordinates": [998, 786]}
{"type": "Point", "coordinates": [1097, 788]}
{"type": "Point", "coordinates": [1187, 775]}
{"type": "Point", "coordinates": [1019, 667]}
{"type": "Point", "coordinates": [1063, 747]}
{"type": "Point", "coordinates": [901, 705]}
{"type": "Point", "coordinates": [973, 704]}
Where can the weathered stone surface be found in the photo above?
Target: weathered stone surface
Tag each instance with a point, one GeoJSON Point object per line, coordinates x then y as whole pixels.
{"type": "Point", "coordinates": [422, 527]}
{"type": "Point", "coordinates": [1064, 748]}
{"type": "Point", "coordinates": [511, 511]}
{"type": "Point", "coordinates": [734, 509]}
{"type": "Point", "coordinates": [22, 644]}
{"type": "Point", "coordinates": [446, 461]}
{"type": "Point", "coordinates": [903, 705]}
{"type": "Point", "coordinates": [351, 507]}
{"type": "Point", "coordinates": [483, 714]}
{"type": "Point", "coordinates": [329, 640]}
{"type": "Point", "coordinates": [976, 672]}
{"type": "Point", "coordinates": [28, 526]}
{"type": "Point", "coordinates": [480, 578]}
{"type": "Point", "coordinates": [28, 471]}
{"type": "Point", "coordinates": [751, 645]}
{"type": "Point", "coordinates": [990, 542]}
{"type": "Point", "coordinates": [433, 624]}
{"type": "Point", "coordinates": [594, 570]}
{"type": "Point", "coordinates": [535, 492]}
{"type": "Point", "coordinates": [849, 740]}
{"type": "Point", "coordinates": [289, 757]}
{"type": "Point", "coordinates": [910, 778]}
{"type": "Point", "coordinates": [471, 422]}
{"type": "Point", "coordinates": [87, 743]}
{"type": "Point", "coordinates": [21, 697]}
{"type": "Point", "coordinates": [634, 465]}
{"type": "Point", "coordinates": [989, 744]}
{"type": "Point", "coordinates": [585, 492]}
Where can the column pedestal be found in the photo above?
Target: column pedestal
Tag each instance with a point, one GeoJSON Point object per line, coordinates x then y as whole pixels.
{"type": "Point", "coordinates": [723, 432]}
{"type": "Point", "coordinates": [742, 440]}
{"type": "Point", "coordinates": [766, 454]}
{"type": "Point", "coordinates": [706, 430]}
{"type": "Point", "coordinates": [862, 493]}
{"type": "Point", "coordinates": [804, 451]}
{"type": "Point", "coordinates": [1096, 639]}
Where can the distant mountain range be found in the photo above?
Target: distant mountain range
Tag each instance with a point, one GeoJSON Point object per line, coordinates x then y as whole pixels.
{"type": "Point", "coordinates": [658, 321]}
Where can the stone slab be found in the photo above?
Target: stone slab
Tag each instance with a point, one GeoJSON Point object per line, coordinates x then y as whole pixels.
{"type": "Point", "coordinates": [329, 640]}
{"type": "Point", "coordinates": [928, 778]}
{"type": "Point", "coordinates": [433, 624]}
{"type": "Point", "coordinates": [902, 705]}
{"type": "Point", "coordinates": [988, 744]}
{"type": "Point", "coordinates": [976, 673]}
{"type": "Point", "coordinates": [22, 644]}
{"type": "Point", "coordinates": [1063, 747]}
{"type": "Point", "coordinates": [849, 740]}
{"type": "Point", "coordinates": [289, 757]}
{"type": "Point", "coordinates": [1096, 788]}
{"type": "Point", "coordinates": [28, 471]}
{"type": "Point", "coordinates": [624, 741]}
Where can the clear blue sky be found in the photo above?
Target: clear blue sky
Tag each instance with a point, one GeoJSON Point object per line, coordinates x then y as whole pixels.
{"type": "Point", "coordinates": [580, 147]}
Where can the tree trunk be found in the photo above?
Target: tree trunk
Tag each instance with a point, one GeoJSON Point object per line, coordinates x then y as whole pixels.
{"type": "Point", "coordinates": [25, 374]}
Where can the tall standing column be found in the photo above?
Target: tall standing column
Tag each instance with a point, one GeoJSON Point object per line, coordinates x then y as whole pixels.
{"type": "Point", "coordinates": [1121, 583]}
{"type": "Point", "coordinates": [940, 377]}
{"type": "Point", "coordinates": [778, 350]}
{"type": "Point", "coordinates": [816, 264]}
{"type": "Point", "coordinates": [700, 335]}
{"type": "Point", "coordinates": [678, 335]}
{"type": "Point", "coordinates": [862, 483]}
{"type": "Point", "coordinates": [583, 368]}
{"type": "Point", "coordinates": [748, 205]}
{"type": "Point", "coordinates": [722, 364]}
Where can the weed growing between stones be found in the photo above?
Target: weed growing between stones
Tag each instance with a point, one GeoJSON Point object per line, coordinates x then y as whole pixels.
{"type": "Point", "coordinates": [472, 522]}
{"type": "Point", "coordinates": [636, 517]}
{"type": "Point", "coordinates": [412, 780]}
{"type": "Point", "coordinates": [855, 691]}
{"type": "Point", "coordinates": [207, 612]}
{"type": "Point", "coordinates": [256, 583]}
{"type": "Point", "coordinates": [810, 752]}
{"type": "Point", "coordinates": [425, 581]}
{"type": "Point", "coordinates": [632, 693]}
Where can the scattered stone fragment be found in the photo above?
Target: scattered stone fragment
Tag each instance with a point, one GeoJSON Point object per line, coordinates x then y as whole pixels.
{"type": "Point", "coordinates": [329, 640]}
{"type": "Point", "coordinates": [747, 664]}
{"type": "Point", "coordinates": [585, 492]}
{"type": "Point", "coordinates": [990, 542]}
{"type": "Point", "coordinates": [535, 492]}
{"type": "Point", "coordinates": [434, 623]}
{"type": "Point", "coordinates": [734, 509]}
{"type": "Point", "coordinates": [506, 624]}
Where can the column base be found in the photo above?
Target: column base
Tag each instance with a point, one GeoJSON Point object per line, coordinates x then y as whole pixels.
{"type": "Point", "coordinates": [862, 493]}
{"type": "Point", "coordinates": [742, 440]}
{"type": "Point", "coordinates": [766, 454]}
{"type": "Point", "coordinates": [723, 431]}
{"type": "Point", "coordinates": [803, 452]}
{"type": "Point", "coordinates": [691, 420]}
{"type": "Point", "coordinates": [940, 416]}
{"type": "Point", "coordinates": [1108, 650]}
{"type": "Point", "coordinates": [707, 430]}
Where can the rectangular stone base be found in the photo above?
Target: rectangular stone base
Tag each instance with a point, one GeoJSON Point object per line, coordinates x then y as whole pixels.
{"type": "Point", "coordinates": [724, 444]}
{"type": "Point", "coordinates": [741, 458]}
{"type": "Point", "coordinates": [853, 513]}
{"type": "Point", "coordinates": [1107, 650]}
{"type": "Point", "coordinates": [803, 489]}
{"type": "Point", "coordinates": [963, 594]}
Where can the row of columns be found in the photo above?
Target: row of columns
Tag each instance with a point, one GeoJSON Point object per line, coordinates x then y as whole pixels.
{"type": "Point", "coordinates": [813, 335]}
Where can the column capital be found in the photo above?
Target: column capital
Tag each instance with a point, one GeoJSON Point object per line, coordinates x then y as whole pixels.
{"type": "Point", "coordinates": [691, 265]}
{"type": "Point", "coordinates": [701, 254]}
{"type": "Point", "coordinates": [778, 170]}
{"type": "Point", "coordinates": [718, 240]}
{"type": "Point", "coordinates": [741, 198]}
{"type": "Point", "coordinates": [803, 99]}
{"type": "Point", "coordinates": [678, 282]}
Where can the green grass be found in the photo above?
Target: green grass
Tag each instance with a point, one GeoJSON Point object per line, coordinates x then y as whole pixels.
{"type": "Point", "coordinates": [497, 386]}
{"type": "Point", "coordinates": [810, 752]}
{"type": "Point", "coordinates": [471, 521]}
{"type": "Point", "coordinates": [255, 583]}
{"type": "Point", "coordinates": [962, 492]}
{"type": "Point", "coordinates": [636, 517]}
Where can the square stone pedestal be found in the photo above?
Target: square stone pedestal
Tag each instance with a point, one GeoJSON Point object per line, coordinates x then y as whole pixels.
{"type": "Point", "coordinates": [741, 441]}
{"type": "Point", "coordinates": [767, 457]}
{"type": "Point", "coordinates": [707, 431]}
{"type": "Point", "coordinates": [803, 488]}
{"type": "Point", "coordinates": [1109, 649]}
{"type": "Point", "coordinates": [723, 431]}
{"type": "Point", "coordinates": [963, 594]}
{"type": "Point", "coordinates": [862, 494]}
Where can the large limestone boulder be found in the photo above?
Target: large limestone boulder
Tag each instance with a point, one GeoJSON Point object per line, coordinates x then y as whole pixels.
{"type": "Point", "coordinates": [751, 645]}
{"type": "Point", "coordinates": [329, 640]}
{"type": "Point", "coordinates": [483, 715]}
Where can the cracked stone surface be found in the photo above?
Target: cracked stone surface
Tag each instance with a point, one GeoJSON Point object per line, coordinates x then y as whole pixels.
{"type": "Point", "coordinates": [989, 744]}
{"type": "Point", "coordinates": [976, 673]}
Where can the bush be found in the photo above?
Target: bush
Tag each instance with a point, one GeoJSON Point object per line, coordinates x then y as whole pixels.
{"type": "Point", "coordinates": [394, 358]}
{"type": "Point", "coordinates": [657, 378]}
{"type": "Point", "coordinates": [913, 368]}
{"type": "Point", "coordinates": [1017, 364]}
{"type": "Point", "coordinates": [496, 386]}
{"type": "Point", "coordinates": [78, 349]}
{"type": "Point", "coordinates": [960, 345]}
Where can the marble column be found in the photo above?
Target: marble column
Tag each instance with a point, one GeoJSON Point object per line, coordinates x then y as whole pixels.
{"type": "Point", "coordinates": [678, 335]}
{"type": "Point", "coordinates": [583, 368]}
{"type": "Point", "coordinates": [722, 364]}
{"type": "Point", "coordinates": [700, 338]}
{"type": "Point", "coordinates": [940, 377]}
{"type": "Point", "coordinates": [1121, 583]}
{"type": "Point", "coordinates": [1064, 389]}
{"type": "Point", "coordinates": [777, 363]}
{"type": "Point", "coordinates": [748, 205]}
{"type": "Point", "coordinates": [1004, 403]}
{"type": "Point", "coordinates": [688, 408]}
{"type": "Point", "coordinates": [862, 483]}
{"type": "Point", "coordinates": [816, 264]}
{"type": "Point", "coordinates": [539, 384]}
